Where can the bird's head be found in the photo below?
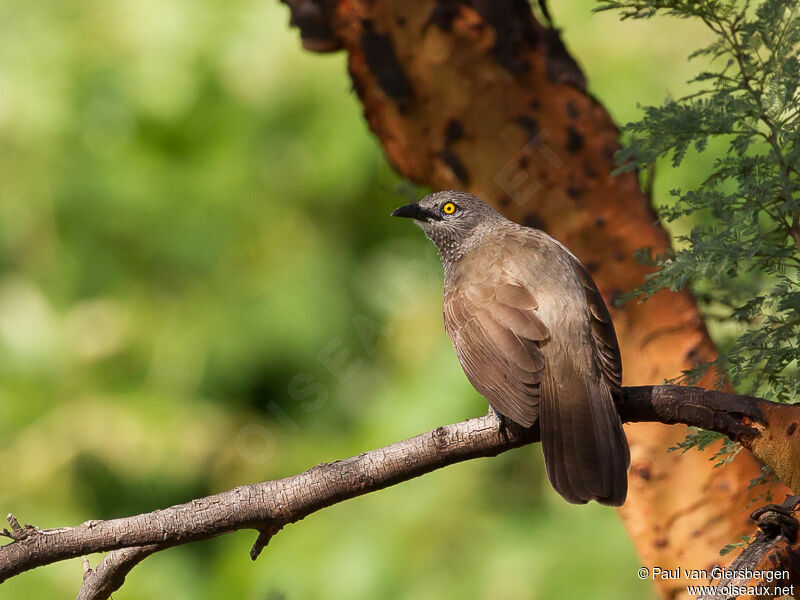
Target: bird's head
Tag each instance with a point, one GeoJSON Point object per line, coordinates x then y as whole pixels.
{"type": "Point", "coordinates": [452, 220]}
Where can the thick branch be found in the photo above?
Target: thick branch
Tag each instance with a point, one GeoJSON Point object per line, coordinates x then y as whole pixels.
{"type": "Point", "coordinates": [770, 562]}
{"type": "Point", "coordinates": [270, 505]}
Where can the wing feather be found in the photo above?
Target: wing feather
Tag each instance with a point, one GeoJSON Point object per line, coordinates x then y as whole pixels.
{"type": "Point", "coordinates": [603, 334]}
{"type": "Point", "coordinates": [496, 333]}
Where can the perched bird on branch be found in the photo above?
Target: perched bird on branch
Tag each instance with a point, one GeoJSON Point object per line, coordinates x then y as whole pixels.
{"type": "Point", "coordinates": [534, 337]}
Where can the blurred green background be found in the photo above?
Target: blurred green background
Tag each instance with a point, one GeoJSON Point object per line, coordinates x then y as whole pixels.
{"type": "Point", "coordinates": [194, 226]}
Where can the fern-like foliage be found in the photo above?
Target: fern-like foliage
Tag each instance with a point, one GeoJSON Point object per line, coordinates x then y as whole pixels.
{"type": "Point", "coordinates": [743, 258]}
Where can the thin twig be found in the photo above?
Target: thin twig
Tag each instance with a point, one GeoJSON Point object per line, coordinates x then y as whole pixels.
{"type": "Point", "coordinates": [107, 577]}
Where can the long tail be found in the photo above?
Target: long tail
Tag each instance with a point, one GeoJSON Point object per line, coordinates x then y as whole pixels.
{"type": "Point", "coordinates": [585, 449]}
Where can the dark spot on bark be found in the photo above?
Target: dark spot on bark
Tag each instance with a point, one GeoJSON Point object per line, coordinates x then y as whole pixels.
{"type": "Point", "coordinates": [592, 266]}
{"type": "Point", "coordinates": [533, 220]}
{"type": "Point", "coordinates": [660, 542]}
{"type": "Point", "coordinates": [575, 191]}
{"type": "Point", "coordinates": [401, 21]}
{"type": "Point", "coordinates": [443, 16]}
{"type": "Point", "coordinates": [609, 150]}
{"type": "Point", "coordinates": [535, 104]}
{"type": "Point", "coordinates": [696, 533]}
{"type": "Point", "coordinates": [589, 171]}
{"type": "Point", "coordinates": [572, 110]}
{"type": "Point", "coordinates": [452, 160]}
{"type": "Point", "coordinates": [542, 175]}
{"type": "Point", "coordinates": [523, 162]}
{"type": "Point", "coordinates": [529, 124]}
{"type": "Point", "coordinates": [599, 222]}
{"type": "Point", "coordinates": [560, 66]}
{"type": "Point", "coordinates": [574, 140]}
{"type": "Point", "coordinates": [382, 62]}
{"type": "Point", "coordinates": [693, 356]}
{"type": "Point", "coordinates": [505, 201]}
{"type": "Point", "coordinates": [642, 471]}
{"type": "Point", "coordinates": [453, 132]}
{"type": "Point", "coordinates": [618, 256]}
{"type": "Point", "coordinates": [791, 429]}
{"type": "Point", "coordinates": [515, 31]}
{"type": "Point", "coordinates": [311, 17]}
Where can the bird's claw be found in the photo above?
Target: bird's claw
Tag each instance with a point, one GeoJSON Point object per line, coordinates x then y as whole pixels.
{"type": "Point", "coordinates": [500, 421]}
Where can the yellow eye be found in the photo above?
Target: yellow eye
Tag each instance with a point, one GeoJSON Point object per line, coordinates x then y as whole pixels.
{"type": "Point", "coordinates": [449, 208]}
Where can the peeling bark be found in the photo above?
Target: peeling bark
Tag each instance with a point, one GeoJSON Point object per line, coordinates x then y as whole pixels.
{"type": "Point", "coordinates": [477, 95]}
{"type": "Point", "coordinates": [769, 564]}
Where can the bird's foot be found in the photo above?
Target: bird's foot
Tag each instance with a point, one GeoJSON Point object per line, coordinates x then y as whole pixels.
{"type": "Point", "coordinates": [501, 421]}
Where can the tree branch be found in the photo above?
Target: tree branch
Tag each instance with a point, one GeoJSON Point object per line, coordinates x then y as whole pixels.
{"type": "Point", "coordinates": [268, 506]}
{"type": "Point", "coordinates": [105, 579]}
{"type": "Point", "coordinates": [770, 561]}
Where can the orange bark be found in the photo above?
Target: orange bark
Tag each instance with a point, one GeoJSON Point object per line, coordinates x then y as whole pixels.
{"type": "Point", "coordinates": [479, 96]}
{"type": "Point", "coordinates": [778, 444]}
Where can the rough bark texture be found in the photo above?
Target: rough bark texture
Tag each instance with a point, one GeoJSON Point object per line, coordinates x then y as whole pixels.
{"type": "Point", "coordinates": [107, 577]}
{"type": "Point", "coordinates": [268, 506]}
{"type": "Point", "coordinates": [773, 550]}
{"type": "Point", "coordinates": [477, 95]}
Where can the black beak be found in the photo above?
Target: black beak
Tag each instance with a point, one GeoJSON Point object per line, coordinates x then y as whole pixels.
{"type": "Point", "coordinates": [415, 211]}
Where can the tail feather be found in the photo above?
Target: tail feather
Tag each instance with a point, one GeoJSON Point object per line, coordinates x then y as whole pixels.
{"type": "Point", "coordinates": [585, 449]}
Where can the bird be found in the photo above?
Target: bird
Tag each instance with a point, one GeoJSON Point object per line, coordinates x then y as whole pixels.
{"type": "Point", "coordinates": [534, 338]}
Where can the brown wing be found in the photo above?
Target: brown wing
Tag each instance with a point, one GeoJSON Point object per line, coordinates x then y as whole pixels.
{"type": "Point", "coordinates": [495, 330]}
{"type": "Point", "coordinates": [605, 338]}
